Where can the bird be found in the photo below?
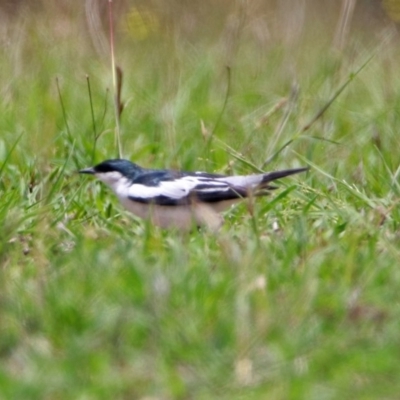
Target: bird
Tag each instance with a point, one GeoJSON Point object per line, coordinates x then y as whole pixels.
{"type": "Point", "coordinates": [179, 199]}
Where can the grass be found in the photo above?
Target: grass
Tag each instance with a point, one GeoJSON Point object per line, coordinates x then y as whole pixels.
{"type": "Point", "coordinates": [296, 297]}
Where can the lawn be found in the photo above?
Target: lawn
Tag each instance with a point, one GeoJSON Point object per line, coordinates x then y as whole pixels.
{"type": "Point", "coordinates": [296, 297]}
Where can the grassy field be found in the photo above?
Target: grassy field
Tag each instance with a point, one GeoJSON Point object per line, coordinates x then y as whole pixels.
{"type": "Point", "coordinates": [297, 297]}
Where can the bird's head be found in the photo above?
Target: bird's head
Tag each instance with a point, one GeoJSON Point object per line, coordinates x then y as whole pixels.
{"type": "Point", "coordinates": [114, 171]}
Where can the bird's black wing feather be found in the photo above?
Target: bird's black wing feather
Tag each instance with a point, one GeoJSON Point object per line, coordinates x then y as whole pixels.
{"type": "Point", "coordinates": [154, 177]}
{"type": "Point", "coordinates": [173, 188]}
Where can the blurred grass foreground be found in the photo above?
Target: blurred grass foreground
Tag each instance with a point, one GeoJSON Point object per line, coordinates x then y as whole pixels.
{"type": "Point", "coordinates": [297, 297]}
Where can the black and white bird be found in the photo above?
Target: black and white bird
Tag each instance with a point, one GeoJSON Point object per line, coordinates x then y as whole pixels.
{"type": "Point", "coordinates": [180, 199]}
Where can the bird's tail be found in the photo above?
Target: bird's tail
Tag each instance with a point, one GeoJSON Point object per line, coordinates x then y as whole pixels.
{"type": "Point", "coordinates": [272, 176]}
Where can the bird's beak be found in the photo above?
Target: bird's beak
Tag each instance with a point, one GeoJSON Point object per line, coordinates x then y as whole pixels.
{"type": "Point", "coordinates": [90, 171]}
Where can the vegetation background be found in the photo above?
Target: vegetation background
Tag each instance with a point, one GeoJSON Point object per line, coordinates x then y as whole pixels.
{"type": "Point", "coordinates": [297, 297]}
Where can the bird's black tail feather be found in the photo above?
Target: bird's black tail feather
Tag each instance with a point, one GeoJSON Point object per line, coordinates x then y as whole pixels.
{"type": "Point", "coordinates": [271, 176]}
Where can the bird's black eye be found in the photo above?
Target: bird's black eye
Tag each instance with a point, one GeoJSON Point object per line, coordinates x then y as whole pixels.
{"type": "Point", "coordinates": [110, 165]}
{"type": "Point", "coordinates": [104, 167]}
{"type": "Point", "coordinates": [124, 167]}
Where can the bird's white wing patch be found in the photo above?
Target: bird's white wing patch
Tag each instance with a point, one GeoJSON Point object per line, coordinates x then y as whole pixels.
{"type": "Point", "coordinates": [177, 188]}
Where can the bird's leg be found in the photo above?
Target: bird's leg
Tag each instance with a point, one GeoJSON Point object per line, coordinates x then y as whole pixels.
{"type": "Point", "coordinates": [206, 216]}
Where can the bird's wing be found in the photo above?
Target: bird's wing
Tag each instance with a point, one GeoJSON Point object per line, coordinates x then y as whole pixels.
{"type": "Point", "coordinates": [169, 188]}
{"type": "Point", "coordinates": [173, 188]}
